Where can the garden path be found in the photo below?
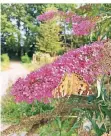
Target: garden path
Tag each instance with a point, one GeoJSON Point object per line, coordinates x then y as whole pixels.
{"type": "Point", "coordinates": [15, 70]}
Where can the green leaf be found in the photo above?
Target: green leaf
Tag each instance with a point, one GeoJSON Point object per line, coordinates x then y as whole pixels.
{"type": "Point", "coordinates": [75, 126]}
{"type": "Point", "coordinates": [59, 122]}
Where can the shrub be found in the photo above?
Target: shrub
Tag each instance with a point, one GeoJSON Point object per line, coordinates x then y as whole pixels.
{"type": "Point", "coordinates": [43, 57]}
{"type": "Point", "coordinates": [5, 61]}
{"type": "Point", "coordinates": [5, 58]}
{"type": "Point", "coordinates": [61, 51]}
{"type": "Point", "coordinates": [25, 58]}
{"type": "Point", "coordinates": [13, 112]}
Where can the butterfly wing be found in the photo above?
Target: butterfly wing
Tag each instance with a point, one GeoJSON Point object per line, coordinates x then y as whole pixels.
{"type": "Point", "coordinates": [62, 87]}
{"type": "Point", "coordinates": [72, 84]}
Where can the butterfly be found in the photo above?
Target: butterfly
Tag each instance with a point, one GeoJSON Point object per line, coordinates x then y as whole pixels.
{"type": "Point", "coordinates": [72, 84]}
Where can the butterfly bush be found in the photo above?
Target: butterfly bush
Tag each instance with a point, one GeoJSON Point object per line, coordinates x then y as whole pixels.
{"type": "Point", "coordinates": [83, 28]}
{"type": "Point", "coordinates": [75, 18]}
{"type": "Point", "coordinates": [46, 16]}
{"type": "Point", "coordinates": [80, 25]}
{"type": "Point", "coordinates": [51, 14]}
{"type": "Point", "coordinates": [39, 84]}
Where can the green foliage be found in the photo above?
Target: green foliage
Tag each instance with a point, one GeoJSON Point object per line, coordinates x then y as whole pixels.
{"type": "Point", "coordinates": [12, 19]}
{"type": "Point", "coordinates": [5, 58]}
{"type": "Point", "coordinates": [65, 7]}
{"type": "Point", "coordinates": [104, 24]}
{"type": "Point", "coordinates": [49, 39]}
{"type": "Point", "coordinates": [100, 117]}
{"type": "Point", "coordinates": [5, 61]}
{"type": "Point", "coordinates": [59, 127]}
{"type": "Point", "coordinates": [13, 112]}
{"type": "Point", "coordinates": [24, 15]}
{"type": "Point", "coordinates": [61, 51]}
{"type": "Point", "coordinates": [25, 58]}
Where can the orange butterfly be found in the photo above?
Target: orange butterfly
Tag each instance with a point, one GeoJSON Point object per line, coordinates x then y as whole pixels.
{"type": "Point", "coordinates": [72, 84]}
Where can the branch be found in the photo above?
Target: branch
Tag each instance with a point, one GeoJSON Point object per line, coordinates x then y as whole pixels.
{"type": "Point", "coordinates": [34, 122]}
{"type": "Point", "coordinates": [104, 18]}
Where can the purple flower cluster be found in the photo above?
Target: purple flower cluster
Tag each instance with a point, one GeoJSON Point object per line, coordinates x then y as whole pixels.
{"type": "Point", "coordinates": [83, 28]}
{"type": "Point", "coordinates": [75, 19]}
{"type": "Point", "coordinates": [40, 83]}
{"type": "Point", "coordinates": [80, 25]}
{"type": "Point", "coordinates": [51, 14]}
{"type": "Point", "coordinates": [46, 16]}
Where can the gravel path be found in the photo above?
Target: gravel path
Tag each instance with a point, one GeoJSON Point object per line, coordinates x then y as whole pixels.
{"type": "Point", "coordinates": [15, 71]}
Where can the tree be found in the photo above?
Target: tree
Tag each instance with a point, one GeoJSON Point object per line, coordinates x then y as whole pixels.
{"type": "Point", "coordinates": [19, 27]}
{"type": "Point", "coordinates": [8, 33]}
{"type": "Point", "coordinates": [49, 39]}
{"type": "Point", "coordinates": [13, 16]}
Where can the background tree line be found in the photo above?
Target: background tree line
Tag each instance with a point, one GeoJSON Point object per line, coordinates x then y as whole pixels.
{"type": "Point", "coordinates": [21, 32]}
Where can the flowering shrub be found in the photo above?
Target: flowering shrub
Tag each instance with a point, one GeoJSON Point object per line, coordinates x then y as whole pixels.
{"type": "Point", "coordinates": [75, 19]}
{"type": "Point", "coordinates": [40, 84]}
{"type": "Point", "coordinates": [25, 58]}
{"type": "Point", "coordinates": [80, 25]}
{"type": "Point", "coordinates": [83, 28]}
{"type": "Point", "coordinates": [46, 16]}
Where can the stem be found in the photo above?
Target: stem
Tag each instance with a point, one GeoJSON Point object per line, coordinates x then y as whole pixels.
{"type": "Point", "coordinates": [64, 33]}
{"type": "Point", "coordinates": [60, 132]}
{"type": "Point", "coordinates": [41, 119]}
{"type": "Point", "coordinates": [71, 41]}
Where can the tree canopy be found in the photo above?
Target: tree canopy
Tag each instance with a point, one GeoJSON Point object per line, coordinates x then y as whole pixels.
{"type": "Point", "coordinates": [20, 28]}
